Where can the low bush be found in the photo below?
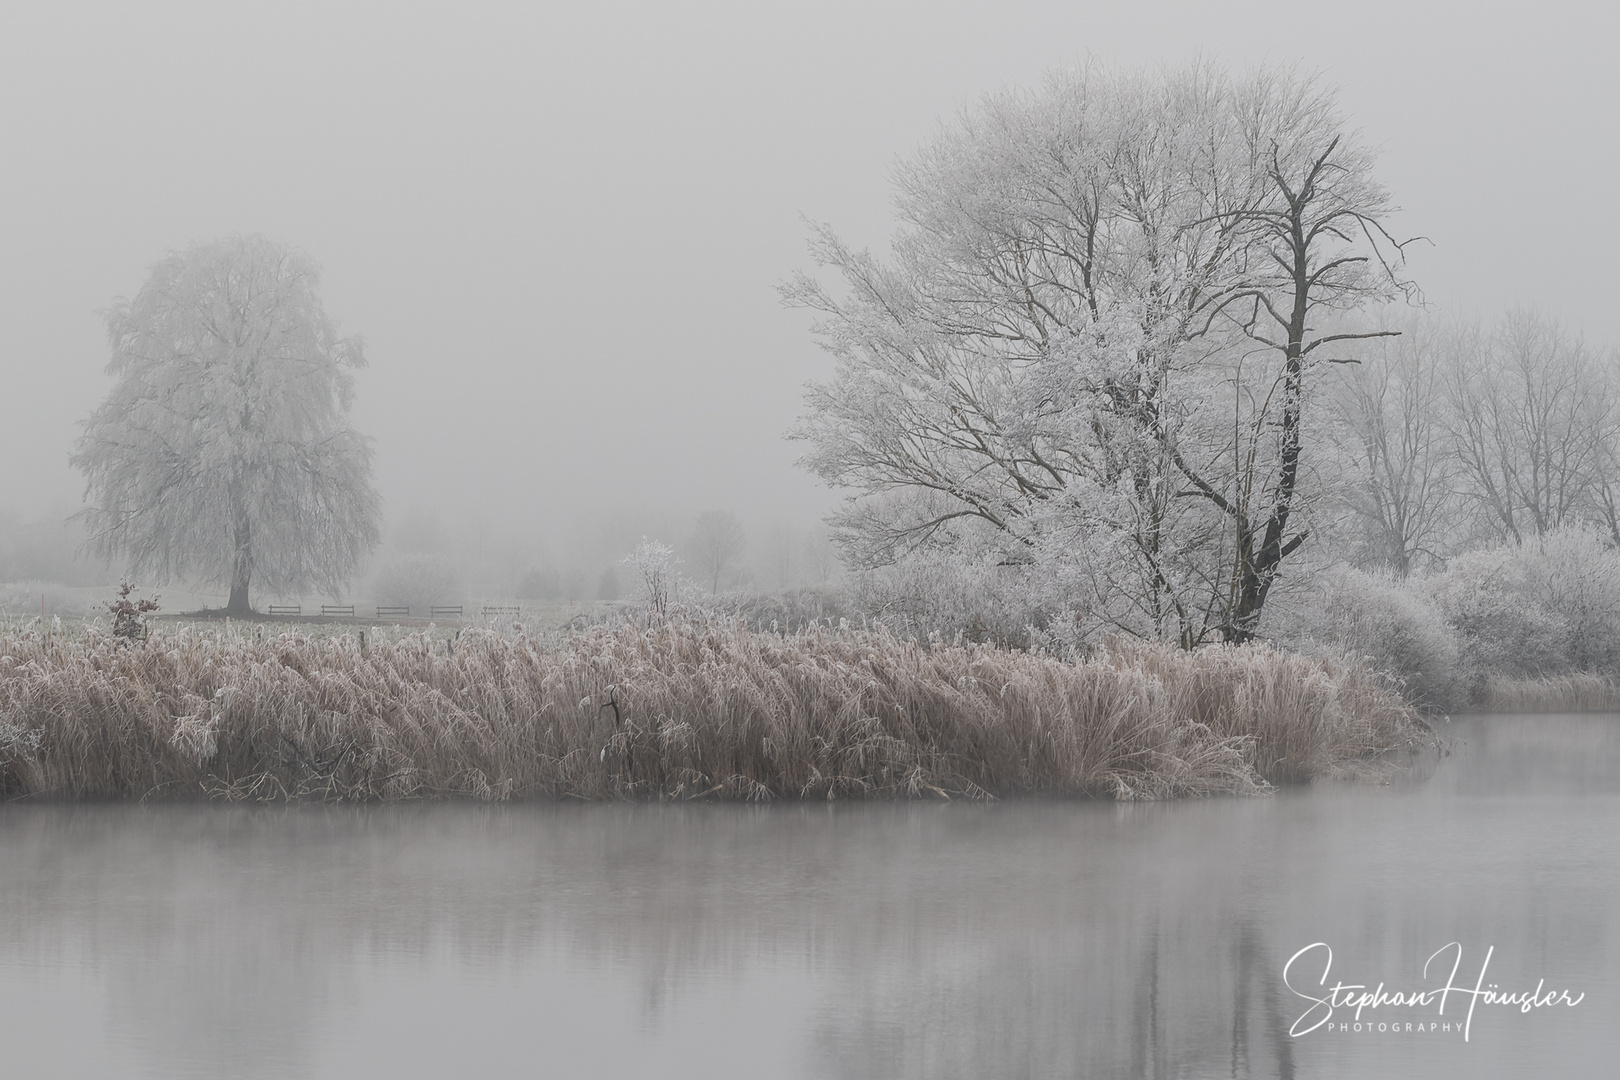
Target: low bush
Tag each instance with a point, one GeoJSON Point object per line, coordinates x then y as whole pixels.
{"type": "Point", "coordinates": [976, 598]}
{"type": "Point", "coordinates": [1388, 622]}
{"type": "Point", "coordinates": [1548, 607]}
{"type": "Point", "coordinates": [1517, 627]}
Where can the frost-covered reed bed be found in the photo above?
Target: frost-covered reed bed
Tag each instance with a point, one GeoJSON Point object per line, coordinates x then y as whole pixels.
{"type": "Point", "coordinates": [1580, 692]}
{"type": "Point", "coordinates": [685, 708]}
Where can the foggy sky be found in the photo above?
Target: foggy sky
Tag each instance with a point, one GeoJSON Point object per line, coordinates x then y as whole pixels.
{"type": "Point", "coordinates": [560, 229]}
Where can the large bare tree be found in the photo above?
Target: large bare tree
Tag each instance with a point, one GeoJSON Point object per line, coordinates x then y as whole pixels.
{"type": "Point", "coordinates": [223, 451]}
{"type": "Point", "coordinates": [1095, 338]}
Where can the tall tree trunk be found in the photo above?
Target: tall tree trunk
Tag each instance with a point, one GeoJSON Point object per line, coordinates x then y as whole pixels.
{"type": "Point", "coordinates": [1257, 569]}
{"type": "Point", "coordinates": [241, 569]}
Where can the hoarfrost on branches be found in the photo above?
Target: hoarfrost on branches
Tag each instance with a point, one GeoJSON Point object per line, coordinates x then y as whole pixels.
{"type": "Point", "coordinates": [654, 562]}
{"type": "Point", "coordinates": [1460, 434]}
{"type": "Point", "coordinates": [223, 451]}
{"type": "Point", "coordinates": [1098, 333]}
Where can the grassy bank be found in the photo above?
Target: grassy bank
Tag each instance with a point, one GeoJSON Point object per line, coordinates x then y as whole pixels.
{"type": "Point", "coordinates": [682, 709]}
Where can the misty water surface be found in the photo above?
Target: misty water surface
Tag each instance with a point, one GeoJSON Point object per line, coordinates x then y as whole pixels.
{"type": "Point", "coordinates": [1011, 940]}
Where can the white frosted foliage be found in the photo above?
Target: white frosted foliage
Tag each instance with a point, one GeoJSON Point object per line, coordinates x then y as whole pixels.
{"type": "Point", "coordinates": [1092, 350]}
{"type": "Point", "coordinates": [223, 452]}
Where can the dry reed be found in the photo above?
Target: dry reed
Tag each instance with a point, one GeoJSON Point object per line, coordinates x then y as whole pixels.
{"type": "Point", "coordinates": [686, 708]}
{"type": "Point", "coordinates": [1581, 692]}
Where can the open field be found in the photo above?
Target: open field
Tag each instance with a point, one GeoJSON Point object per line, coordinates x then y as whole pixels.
{"type": "Point", "coordinates": [678, 709]}
{"type": "Point", "coordinates": [23, 602]}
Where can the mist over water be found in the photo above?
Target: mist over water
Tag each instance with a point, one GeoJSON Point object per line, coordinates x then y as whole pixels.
{"type": "Point", "coordinates": [1015, 939]}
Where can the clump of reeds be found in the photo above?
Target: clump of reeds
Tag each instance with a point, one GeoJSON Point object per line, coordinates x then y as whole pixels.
{"type": "Point", "coordinates": [681, 708]}
{"type": "Point", "coordinates": [1581, 692]}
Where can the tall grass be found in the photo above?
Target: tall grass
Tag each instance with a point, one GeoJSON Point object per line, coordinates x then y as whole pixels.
{"type": "Point", "coordinates": [684, 708]}
{"type": "Point", "coordinates": [1581, 692]}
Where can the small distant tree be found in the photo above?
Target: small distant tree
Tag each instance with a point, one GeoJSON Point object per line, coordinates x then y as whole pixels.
{"type": "Point", "coordinates": [223, 450]}
{"type": "Point", "coordinates": [718, 544]}
{"type": "Point", "coordinates": [129, 612]}
{"type": "Point", "coordinates": [654, 563]}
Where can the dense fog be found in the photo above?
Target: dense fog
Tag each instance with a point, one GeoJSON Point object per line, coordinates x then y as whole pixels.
{"type": "Point", "coordinates": [561, 233]}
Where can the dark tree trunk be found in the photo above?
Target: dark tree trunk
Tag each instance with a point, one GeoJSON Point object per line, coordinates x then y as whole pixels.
{"type": "Point", "coordinates": [241, 569]}
{"type": "Point", "coordinates": [1261, 551]}
{"type": "Point", "coordinates": [1257, 569]}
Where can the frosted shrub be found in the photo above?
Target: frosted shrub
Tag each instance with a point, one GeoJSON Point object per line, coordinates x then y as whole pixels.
{"type": "Point", "coordinates": [654, 563]}
{"type": "Point", "coordinates": [16, 740]}
{"type": "Point", "coordinates": [1502, 627]}
{"type": "Point", "coordinates": [1390, 623]}
{"type": "Point", "coordinates": [1576, 573]}
{"type": "Point", "coordinates": [975, 598]}
{"type": "Point", "coordinates": [129, 615]}
{"type": "Point", "coordinates": [1547, 610]}
{"type": "Point", "coordinates": [1548, 607]}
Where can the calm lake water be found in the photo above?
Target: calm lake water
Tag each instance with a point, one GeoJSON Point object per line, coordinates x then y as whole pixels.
{"type": "Point", "coordinates": [1009, 940]}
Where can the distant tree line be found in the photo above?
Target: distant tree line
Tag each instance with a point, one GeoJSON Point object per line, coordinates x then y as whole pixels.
{"type": "Point", "coordinates": [1460, 435]}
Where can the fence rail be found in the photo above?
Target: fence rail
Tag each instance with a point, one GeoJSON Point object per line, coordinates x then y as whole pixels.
{"type": "Point", "coordinates": [286, 609]}
{"type": "Point", "coordinates": [439, 610]}
{"type": "Point", "coordinates": [337, 609]}
{"type": "Point", "coordinates": [385, 612]}
{"type": "Point", "coordinates": [501, 610]}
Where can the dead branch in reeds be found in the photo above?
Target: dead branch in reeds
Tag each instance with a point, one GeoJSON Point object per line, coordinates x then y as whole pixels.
{"type": "Point", "coordinates": [682, 708]}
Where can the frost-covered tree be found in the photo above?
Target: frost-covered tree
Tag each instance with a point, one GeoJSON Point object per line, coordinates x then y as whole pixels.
{"type": "Point", "coordinates": [1092, 349]}
{"type": "Point", "coordinates": [1533, 420]}
{"type": "Point", "coordinates": [223, 452]}
{"type": "Point", "coordinates": [654, 563]}
{"type": "Point", "coordinates": [1400, 472]}
{"type": "Point", "coordinates": [717, 545]}
{"type": "Point", "coordinates": [1460, 434]}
